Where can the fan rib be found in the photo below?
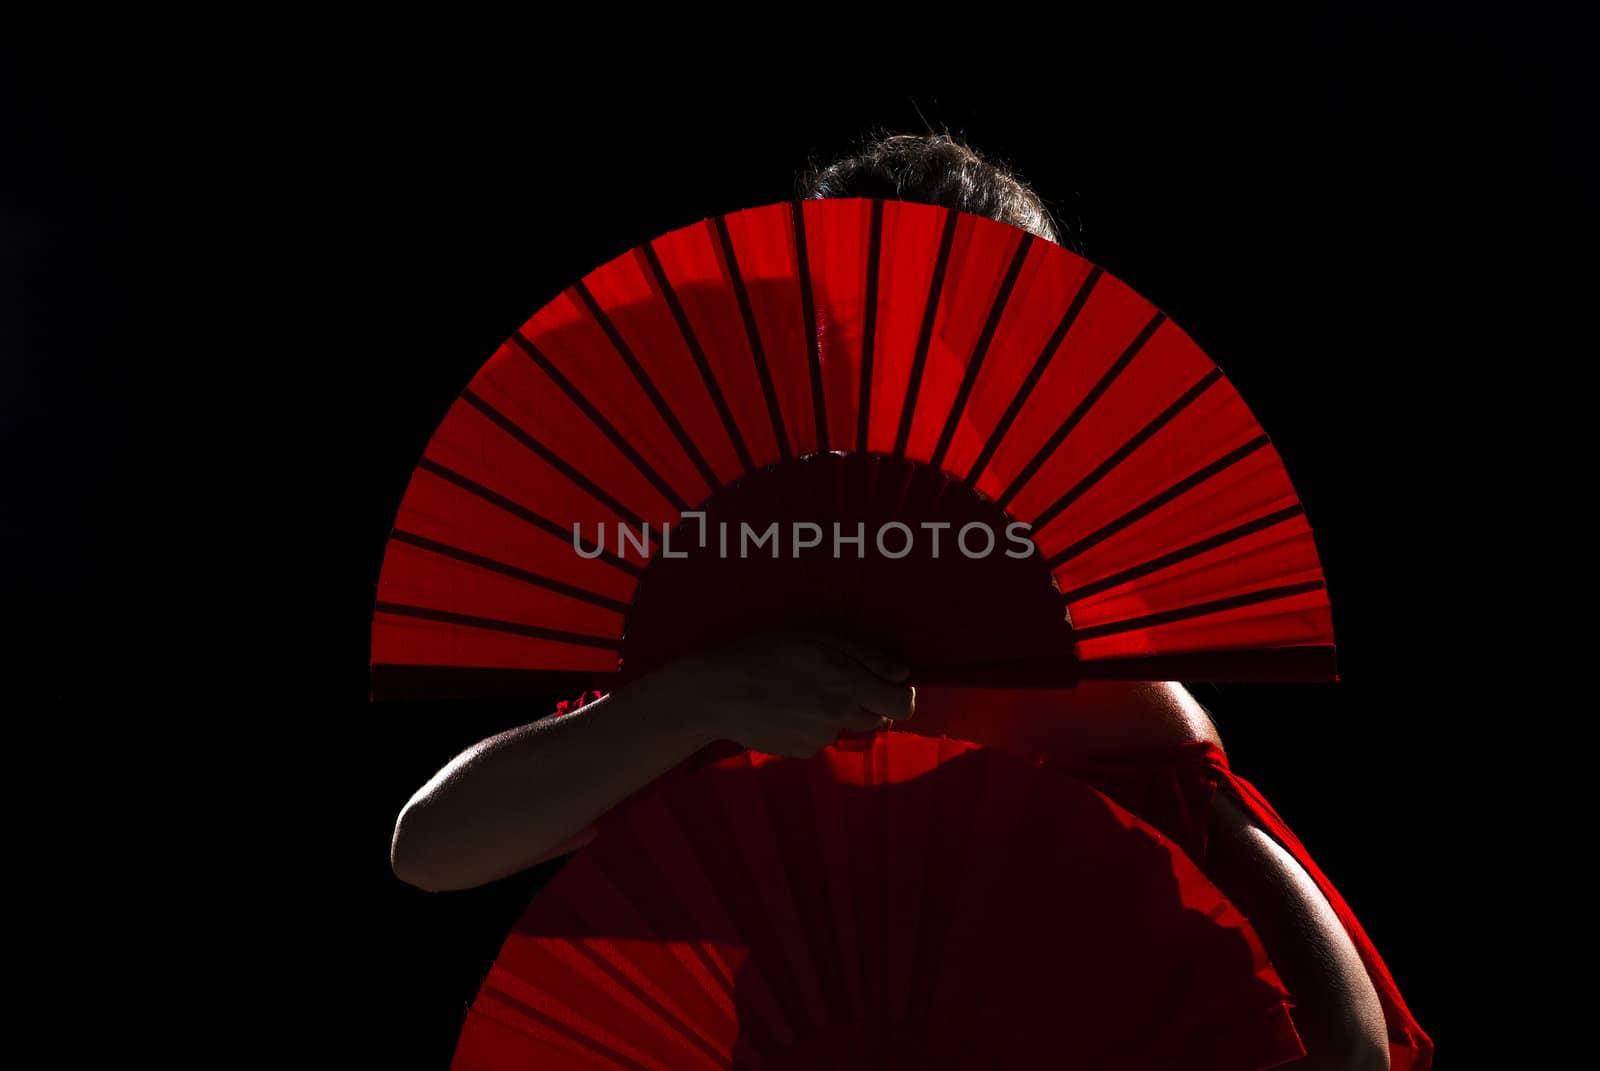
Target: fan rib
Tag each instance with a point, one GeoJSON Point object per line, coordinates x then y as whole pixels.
{"type": "Point", "coordinates": [1193, 550]}
{"type": "Point", "coordinates": [643, 379]}
{"type": "Point", "coordinates": [550, 1022]}
{"type": "Point", "coordinates": [572, 591]}
{"type": "Point", "coordinates": [1036, 373]}
{"type": "Point", "coordinates": [800, 960]}
{"type": "Point", "coordinates": [981, 350]}
{"type": "Point", "coordinates": [1150, 505]}
{"type": "Point", "coordinates": [618, 440]}
{"type": "Point", "coordinates": [869, 327]}
{"type": "Point", "coordinates": [1081, 410]}
{"type": "Point", "coordinates": [538, 632]}
{"type": "Point", "coordinates": [517, 432]}
{"type": "Point", "coordinates": [802, 828]}
{"type": "Point", "coordinates": [930, 313]}
{"type": "Point", "coordinates": [1122, 452]}
{"type": "Point", "coordinates": [808, 307]}
{"type": "Point", "coordinates": [523, 513]}
{"type": "Point", "coordinates": [931, 929]}
{"type": "Point", "coordinates": [661, 1011]}
{"type": "Point", "coordinates": [698, 353]}
{"type": "Point", "coordinates": [712, 967]}
{"type": "Point", "coordinates": [831, 830]}
{"type": "Point", "coordinates": [1200, 609]}
{"type": "Point", "coordinates": [765, 1032]}
{"type": "Point", "coordinates": [876, 761]}
{"type": "Point", "coordinates": [758, 353]}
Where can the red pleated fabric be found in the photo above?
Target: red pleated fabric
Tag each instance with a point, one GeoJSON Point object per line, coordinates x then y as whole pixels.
{"type": "Point", "coordinates": [1172, 789]}
{"type": "Point", "coordinates": [902, 902]}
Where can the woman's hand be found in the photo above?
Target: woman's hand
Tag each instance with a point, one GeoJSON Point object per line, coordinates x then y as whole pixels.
{"type": "Point", "coordinates": [793, 693]}
{"type": "Point", "coordinates": [514, 799]}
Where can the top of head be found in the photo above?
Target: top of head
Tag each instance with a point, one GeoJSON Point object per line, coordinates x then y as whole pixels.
{"type": "Point", "coordinates": [936, 169]}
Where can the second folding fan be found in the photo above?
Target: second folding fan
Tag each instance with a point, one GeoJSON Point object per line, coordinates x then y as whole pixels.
{"type": "Point", "coordinates": [922, 903]}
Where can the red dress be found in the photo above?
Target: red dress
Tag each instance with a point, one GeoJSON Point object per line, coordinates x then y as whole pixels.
{"type": "Point", "coordinates": [1170, 789]}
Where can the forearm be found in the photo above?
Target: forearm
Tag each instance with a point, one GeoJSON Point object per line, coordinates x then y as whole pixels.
{"type": "Point", "coordinates": [511, 800]}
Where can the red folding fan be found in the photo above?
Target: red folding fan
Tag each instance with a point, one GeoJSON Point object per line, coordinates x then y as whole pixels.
{"type": "Point", "coordinates": [923, 903]}
{"type": "Point", "coordinates": [922, 379]}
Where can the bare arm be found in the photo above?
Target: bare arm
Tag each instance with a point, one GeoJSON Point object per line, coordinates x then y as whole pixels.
{"type": "Point", "coordinates": [1336, 1008]}
{"type": "Point", "coordinates": [510, 801]}
{"type": "Point", "coordinates": [519, 798]}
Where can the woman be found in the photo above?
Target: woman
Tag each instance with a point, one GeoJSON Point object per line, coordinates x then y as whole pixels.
{"type": "Point", "coordinates": [534, 792]}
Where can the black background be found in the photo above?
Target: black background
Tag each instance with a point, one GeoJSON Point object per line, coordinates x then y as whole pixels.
{"type": "Point", "coordinates": [244, 291]}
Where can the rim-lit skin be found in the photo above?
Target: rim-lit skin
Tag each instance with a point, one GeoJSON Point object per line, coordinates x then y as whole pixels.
{"type": "Point", "coordinates": [1095, 718]}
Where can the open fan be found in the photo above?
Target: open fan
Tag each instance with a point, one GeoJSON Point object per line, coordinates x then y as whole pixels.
{"type": "Point", "coordinates": [853, 414]}
{"type": "Point", "coordinates": [923, 903]}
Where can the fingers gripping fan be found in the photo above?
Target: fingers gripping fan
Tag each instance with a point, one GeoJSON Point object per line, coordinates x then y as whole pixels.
{"type": "Point", "coordinates": [923, 903]}
{"type": "Point", "coordinates": [914, 426]}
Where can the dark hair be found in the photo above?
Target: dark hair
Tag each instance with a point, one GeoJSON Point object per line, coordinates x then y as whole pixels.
{"type": "Point", "coordinates": [935, 169]}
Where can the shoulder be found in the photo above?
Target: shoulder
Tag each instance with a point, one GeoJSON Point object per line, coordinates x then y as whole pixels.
{"type": "Point", "coordinates": [1337, 1009]}
{"type": "Point", "coordinates": [1095, 719]}
{"type": "Point", "coordinates": [1118, 717]}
